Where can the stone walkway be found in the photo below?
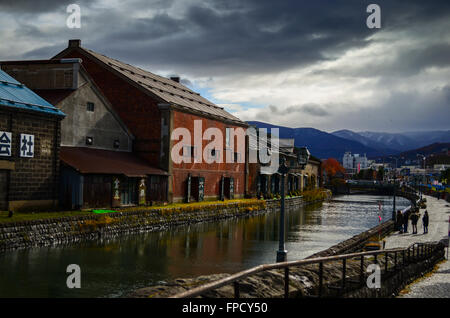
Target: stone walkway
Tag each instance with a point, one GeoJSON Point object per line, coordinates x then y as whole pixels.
{"type": "Point", "coordinates": [438, 284]}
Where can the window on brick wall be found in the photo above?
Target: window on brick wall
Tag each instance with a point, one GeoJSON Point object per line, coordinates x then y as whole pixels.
{"type": "Point", "coordinates": [227, 137]}
{"type": "Point", "coordinates": [116, 143]}
{"type": "Point", "coordinates": [189, 151]}
{"type": "Point", "coordinates": [214, 154]}
{"type": "Point", "coordinates": [90, 107]}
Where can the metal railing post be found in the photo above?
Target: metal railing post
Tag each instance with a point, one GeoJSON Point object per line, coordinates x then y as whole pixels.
{"type": "Point", "coordinates": [395, 261]}
{"type": "Point", "coordinates": [386, 262]}
{"type": "Point", "coordinates": [286, 282]}
{"type": "Point", "coordinates": [404, 258]}
{"type": "Point", "coordinates": [344, 268]}
{"type": "Point", "coordinates": [320, 278]}
{"type": "Point", "coordinates": [361, 272]}
{"type": "Point", "coordinates": [236, 290]}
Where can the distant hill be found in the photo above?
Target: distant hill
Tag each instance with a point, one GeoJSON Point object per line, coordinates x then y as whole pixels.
{"type": "Point", "coordinates": [424, 138]}
{"type": "Point", "coordinates": [393, 143]}
{"type": "Point", "coordinates": [321, 144]}
{"type": "Point", "coordinates": [436, 153]}
{"type": "Point", "coordinates": [433, 149]}
{"type": "Point", "coordinates": [368, 142]}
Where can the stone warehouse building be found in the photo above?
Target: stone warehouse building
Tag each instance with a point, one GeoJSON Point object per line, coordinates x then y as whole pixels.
{"type": "Point", "coordinates": [30, 129]}
{"type": "Point", "coordinates": [263, 181]}
{"type": "Point", "coordinates": [152, 106]}
{"type": "Point", "coordinates": [98, 167]}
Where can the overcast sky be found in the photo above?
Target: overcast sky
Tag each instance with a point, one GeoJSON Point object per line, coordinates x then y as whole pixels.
{"type": "Point", "coordinates": [294, 63]}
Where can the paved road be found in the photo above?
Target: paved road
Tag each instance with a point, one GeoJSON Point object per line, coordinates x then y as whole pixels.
{"type": "Point", "coordinates": [438, 284]}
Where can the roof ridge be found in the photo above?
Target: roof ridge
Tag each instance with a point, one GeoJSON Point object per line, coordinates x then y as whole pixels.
{"type": "Point", "coordinates": [164, 88]}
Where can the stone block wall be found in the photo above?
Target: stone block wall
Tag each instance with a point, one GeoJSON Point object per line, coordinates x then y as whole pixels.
{"type": "Point", "coordinates": [32, 181]}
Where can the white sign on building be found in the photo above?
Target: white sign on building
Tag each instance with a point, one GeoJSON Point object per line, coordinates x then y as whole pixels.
{"type": "Point", "coordinates": [26, 145]}
{"type": "Point", "coordinates": [5, 144]}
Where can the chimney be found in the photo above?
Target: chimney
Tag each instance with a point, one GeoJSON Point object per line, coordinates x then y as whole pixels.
{"type": "Point", "coordinates": [75, 43]}
{"type": "Point", "coordinates": [175, 79]}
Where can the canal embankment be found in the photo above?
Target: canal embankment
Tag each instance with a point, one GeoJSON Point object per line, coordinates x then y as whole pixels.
{"type": "Point", "coordinates": [322, 277]}
{"type": "Point", "coordinates": [73, 229]}
{"type": "Point", "coordinates": [397, 270]}
{"type": "Point", "coordinates": [438, 283]}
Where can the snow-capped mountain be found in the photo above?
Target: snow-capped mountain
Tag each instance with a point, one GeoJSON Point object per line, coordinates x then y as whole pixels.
{"type": "Point", "coordinates": [395, 142]}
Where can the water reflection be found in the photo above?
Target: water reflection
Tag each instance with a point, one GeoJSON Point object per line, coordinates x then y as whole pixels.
{"type": "Point", "coordinates": [114, 267]}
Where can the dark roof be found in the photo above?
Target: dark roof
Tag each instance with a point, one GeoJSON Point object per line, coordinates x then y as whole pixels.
{"type": "Point", "coordinates": [53, 96]}
{"type": "Point", "coordinates": [88, 160]}
{"type": "Point", "coordinates": [169, 91]}
{"type": "Point", "coordinates": [15, 95]}
{"type": "Point", "coordinates": [311, 157]}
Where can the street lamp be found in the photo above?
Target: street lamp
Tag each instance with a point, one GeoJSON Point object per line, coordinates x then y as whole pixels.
{"type": "Point", "coordinates": [424, 172]}
{"type": "Point", "coordinates": [303, 157]}
{"type": "Point", "coordinates": [302, 160]}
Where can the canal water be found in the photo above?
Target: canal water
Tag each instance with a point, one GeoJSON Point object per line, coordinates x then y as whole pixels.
{"type": "Point", "coordinates": [115, 267]}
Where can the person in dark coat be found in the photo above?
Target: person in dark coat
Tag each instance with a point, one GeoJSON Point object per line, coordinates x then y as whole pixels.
{"type": "Point", "coordinates": [414, 219]}
{"type": "Point", "coordinates": [399, 222]}
{"type": "Point", "coordinates": [405, 222]}
{"type": "Point", "coordinates": [425, 220]}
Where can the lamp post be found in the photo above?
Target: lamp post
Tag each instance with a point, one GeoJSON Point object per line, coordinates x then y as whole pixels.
{"type": "Point", "coordinates": [394, 175]}
{"type": "Point", "coordinates": [302, 159]}
{"type": "Point", "coordinates": [282, 253]}
{"type": "Point", "coordinates": [394, 214]}
{"type": "Point", "coordinates": [423, 175]}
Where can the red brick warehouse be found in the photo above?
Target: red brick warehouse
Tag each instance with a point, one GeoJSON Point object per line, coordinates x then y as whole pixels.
{"type": "Point", "coordinates": [152, 107]}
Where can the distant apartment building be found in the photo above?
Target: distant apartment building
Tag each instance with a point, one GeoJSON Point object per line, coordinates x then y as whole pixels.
{"type": "Point", "coordinates": [354, 163]}
{"type": "Point", "coordinates": [347, 161]}
{"type": "Point", "coordinates": [360, 162]}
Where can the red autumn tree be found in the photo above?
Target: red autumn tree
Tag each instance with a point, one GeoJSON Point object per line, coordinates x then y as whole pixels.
{"type": "Point", "coordinates": [331, 166]}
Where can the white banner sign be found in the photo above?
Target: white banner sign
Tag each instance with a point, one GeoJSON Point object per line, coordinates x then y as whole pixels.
{"type": "Point", "coordinates": [26, 145]}
{"type": "Point", "coordinates": [5, 144]}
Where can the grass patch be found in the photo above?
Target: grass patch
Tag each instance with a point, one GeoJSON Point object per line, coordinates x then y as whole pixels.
{"type": "Point", "coordinates": [99, 211]}
{"type": "Point", "coordinates": [246, 205]}
{"type": "Point", "coordinates": [243, 204]}
{"type": "Point", "coordinates": [24, 216]}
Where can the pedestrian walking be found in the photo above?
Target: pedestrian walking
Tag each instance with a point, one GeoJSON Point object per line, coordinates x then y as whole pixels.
{"type": "Point", "coordinates": [399, 222]}
{"type": "Point", "coordinates": [425, 221]}
{"type": "Point", "coordinates": [414, 219]}
{"type": "Point", "coordinates": [405, 221]}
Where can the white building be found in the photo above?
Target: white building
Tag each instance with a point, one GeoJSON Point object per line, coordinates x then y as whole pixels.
{"type": "Point", "coordinates": [441, 166]}
{"type": "Point", "coordinates": [347, 161]}
{"type": "Point", "coordinates": [355, 161]}
{"type": "Point", "coordinates": [360, 162]}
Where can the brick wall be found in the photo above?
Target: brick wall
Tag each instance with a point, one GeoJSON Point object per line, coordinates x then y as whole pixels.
{"type": "Point", "coordinates": [211, 172]}
{"type": "Point", "coordinates": [138, 111]}
{"type": "Point", "coordinates": [32, 178]}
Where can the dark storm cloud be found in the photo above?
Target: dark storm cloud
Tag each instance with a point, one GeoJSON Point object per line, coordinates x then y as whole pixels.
{"type": "Point", "coordinates": [223, 37]}
{"type": "Point", "coordinates": [310, 109]}
{"type": "Point", "coordinates": [314, 110]}
{"type": "Point", "coordinates": [38, 6]}
{"type": "Point", "coordinates": [403, 111]}
{"type": "Point", "coordinates": [232, 40]}
{"type": "Point", "coordinates": [259, 36]}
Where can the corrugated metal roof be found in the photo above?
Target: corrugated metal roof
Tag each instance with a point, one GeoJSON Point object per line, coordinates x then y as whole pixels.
{"type": "Point", "coordinates": [16, 95]}
{"type": "Point", "coordinates": [166, 89]}
{"type": "Point", "coordinates": [88, 160]}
